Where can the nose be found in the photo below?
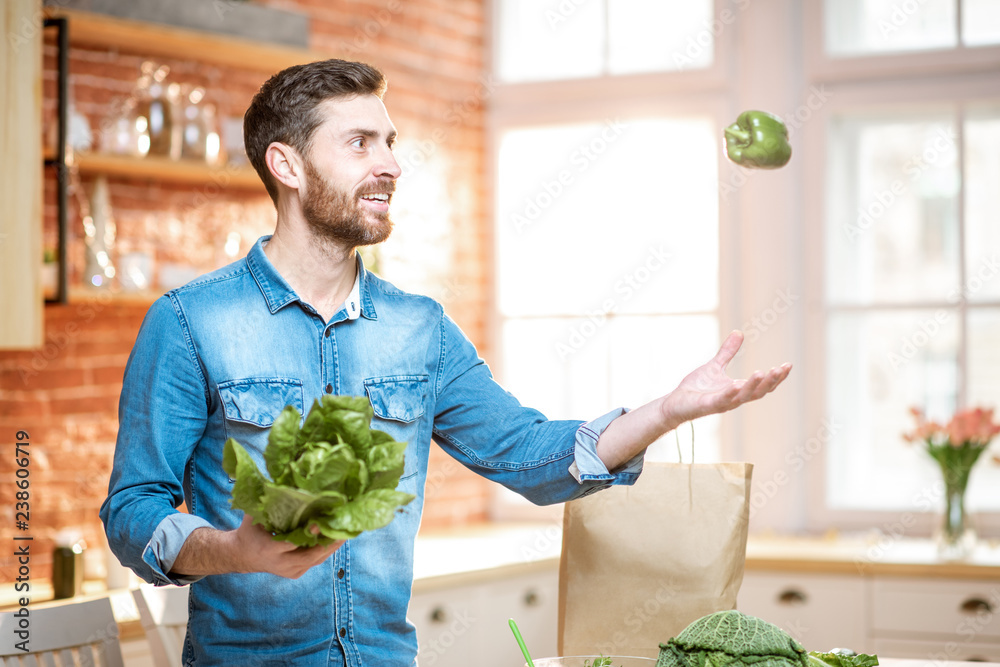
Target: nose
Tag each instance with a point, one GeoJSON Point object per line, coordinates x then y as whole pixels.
{"type": "Point", "coordinates": [387, 165]}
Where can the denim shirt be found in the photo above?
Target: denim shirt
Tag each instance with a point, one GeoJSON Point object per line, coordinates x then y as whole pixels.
{"type": "Point", "coordinates": [220, 358]}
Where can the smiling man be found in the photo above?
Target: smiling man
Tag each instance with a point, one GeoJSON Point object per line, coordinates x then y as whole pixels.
{"type": "Point", "coordinates": [300, 317]}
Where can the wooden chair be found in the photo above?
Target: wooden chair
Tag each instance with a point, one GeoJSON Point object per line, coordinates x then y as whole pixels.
{"type": "Point", "coordinates": [73, 633]}
{"type": "Point", "coordinates": [163, 611]}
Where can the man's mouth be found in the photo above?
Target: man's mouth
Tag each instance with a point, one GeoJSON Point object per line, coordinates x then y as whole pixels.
{"type": "Point", "coordinates": [381, 197]}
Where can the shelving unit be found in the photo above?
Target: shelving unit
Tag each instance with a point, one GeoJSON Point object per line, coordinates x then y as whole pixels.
{"type": "Point", "coordinates": [80, 28]}
{"type": "Point", "coordinates": [187, 172]}
{"type": "Point", "coordinates": [166, 41]}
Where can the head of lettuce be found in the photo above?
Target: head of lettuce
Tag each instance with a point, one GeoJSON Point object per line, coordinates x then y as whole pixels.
{"type": "Point", "coordinates": [333, 472]}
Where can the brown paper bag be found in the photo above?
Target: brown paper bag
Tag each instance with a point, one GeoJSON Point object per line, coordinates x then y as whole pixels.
{"type": "Point", "coordinates": [640, 563]}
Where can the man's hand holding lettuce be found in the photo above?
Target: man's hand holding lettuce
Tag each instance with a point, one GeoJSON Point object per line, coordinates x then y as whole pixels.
{"type": "Point", "coordinates": [335, 473]}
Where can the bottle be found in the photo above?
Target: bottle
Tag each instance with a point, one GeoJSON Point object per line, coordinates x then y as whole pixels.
{"type": "Point", "coordinates": [67, 566]}
{"type": "Point", "coordinates": [193, 132]}
{"type": "Point", "coordinates": [156, 107]}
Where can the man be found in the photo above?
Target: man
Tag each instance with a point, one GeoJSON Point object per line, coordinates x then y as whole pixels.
{"type": "Point", "coordinates": [299, 317]}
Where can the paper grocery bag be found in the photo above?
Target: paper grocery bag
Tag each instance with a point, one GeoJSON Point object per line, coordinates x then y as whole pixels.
{"type": "Point", "coordinates": [639, 563]}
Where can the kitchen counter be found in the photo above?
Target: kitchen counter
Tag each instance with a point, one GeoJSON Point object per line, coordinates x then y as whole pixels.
{"type": "Point", "coordinates": [492, 554]}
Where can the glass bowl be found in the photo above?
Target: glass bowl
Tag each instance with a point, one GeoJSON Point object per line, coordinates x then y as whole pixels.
{"type": "Point", "coordinates": [578, 660]}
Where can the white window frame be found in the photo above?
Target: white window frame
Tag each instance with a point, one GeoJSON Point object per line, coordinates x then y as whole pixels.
{"type": "Point", "coordinates": [703, 91]}
{"type": "Point", "coordinates": [771, 229]}
{"type": "Point", "coordinates": [930, 80]}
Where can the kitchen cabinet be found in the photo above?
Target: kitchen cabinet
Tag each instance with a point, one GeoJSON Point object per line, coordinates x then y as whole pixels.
{"type": "Point", "coordinates": [821, 611]}
{"type": "Point", "coordinates": [954, 618]}
{"type": "Point", "coordinates": [899, 601]}
{"type": "Point", "coordinates": [462, 621]}
{"type": "Point", "coordinates": [21, 187]}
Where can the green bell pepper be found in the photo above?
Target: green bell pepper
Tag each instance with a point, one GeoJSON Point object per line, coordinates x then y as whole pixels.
{"type": "Point", "coordinates": [758, 140]}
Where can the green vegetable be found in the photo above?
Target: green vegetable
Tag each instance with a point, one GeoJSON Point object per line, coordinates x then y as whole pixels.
{"type": "Point", "coordinates": [602, 661]}
{"type": "Point", "coordinates": [734, 639]}
{"type": "Point", "coordinates": [335, 473]}
{"type": "Point", "coordinates": [758, 140]}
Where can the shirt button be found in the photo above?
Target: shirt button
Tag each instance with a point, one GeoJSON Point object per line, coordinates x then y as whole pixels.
{"type": "Point", "coordinates": [340, 573]}
{"type": "Point", "coordinates": [327, 334]}
{"type": "Point", "coordinates": [329, 388]}
{"type": "Point", "coordinates": [343, 632]}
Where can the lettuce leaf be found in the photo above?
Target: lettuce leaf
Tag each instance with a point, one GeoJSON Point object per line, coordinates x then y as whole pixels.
{"type": "Point", "coordinates": [334, 472]}
{"type": "Point", "coordinates": [841, 659]}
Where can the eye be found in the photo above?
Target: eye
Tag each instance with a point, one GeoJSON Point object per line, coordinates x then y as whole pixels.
{"type": "Point", "coordinates": [359, 142]}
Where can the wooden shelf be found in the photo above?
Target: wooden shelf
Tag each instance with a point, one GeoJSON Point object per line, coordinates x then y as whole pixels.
{"type": "Point", "coordinates": [155, 168]}
{"type": "Point", "coordinates": [170, 42]}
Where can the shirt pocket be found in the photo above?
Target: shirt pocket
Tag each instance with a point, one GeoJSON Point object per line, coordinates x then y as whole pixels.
{"type": "Point", "coordinates": [399, 401]}
{"type": "Point", "coordinates": [250, 406]}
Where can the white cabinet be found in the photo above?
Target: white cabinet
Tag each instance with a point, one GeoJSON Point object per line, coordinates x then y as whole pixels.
{"type": "Point", "coordinates": [932, 618]}
{"type": "Point", "coordinates": [822, 611]}
{"type": "Point", "coordinates": [465, 622]}
{"type": "Point", "coordinates": [946, 619]}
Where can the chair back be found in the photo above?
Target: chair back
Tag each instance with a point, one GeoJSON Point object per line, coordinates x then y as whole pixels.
{"type": "Point", "coordinates": [74, 633]}
{"type": "Point", "coordinates": [163, 611]}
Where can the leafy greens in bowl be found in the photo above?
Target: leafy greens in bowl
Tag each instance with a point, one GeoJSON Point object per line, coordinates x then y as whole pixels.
{"type": "Point", "coordinates": [334, 472]}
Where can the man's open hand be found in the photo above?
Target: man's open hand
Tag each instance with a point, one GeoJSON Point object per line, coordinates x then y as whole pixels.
{"type": "Point", "coordinates": [708, 390]}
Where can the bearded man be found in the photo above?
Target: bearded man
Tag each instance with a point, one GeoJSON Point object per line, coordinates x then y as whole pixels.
{"type": "Point", "coordinates": [300, 317]}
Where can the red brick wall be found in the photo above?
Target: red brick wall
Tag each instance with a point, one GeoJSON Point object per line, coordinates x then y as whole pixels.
{"type": "Point", "coordinates": [65, 394]}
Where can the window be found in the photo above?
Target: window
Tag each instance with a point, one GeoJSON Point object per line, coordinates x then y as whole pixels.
{"type": "Point", "coordinates": [607, 259]}
{"type": "Point", "coordinates": [565, 39]}
{"type": "Point", "coordinates": [606, 207]}
{"type": "Point", "coordinates": [872, 261]}
{"type": "Point", "coordinates": [855, 27]}
{"type": "Point", "coordinates": [911, 253]}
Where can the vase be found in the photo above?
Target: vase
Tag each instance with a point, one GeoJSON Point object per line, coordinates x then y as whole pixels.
{"type": "Point", "coordinates": [956, 538]}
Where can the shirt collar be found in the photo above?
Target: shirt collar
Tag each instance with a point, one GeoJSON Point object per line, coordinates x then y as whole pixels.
{"type": "Point", "coordinates": [278, 293]}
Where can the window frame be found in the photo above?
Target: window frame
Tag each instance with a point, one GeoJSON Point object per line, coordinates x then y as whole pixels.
{"type": "Point", "coordinates": [694, 92]}
{"type": "Point", "coordinates": [929, 80]}
{"type": "Point", "coordinates": [823, 68]}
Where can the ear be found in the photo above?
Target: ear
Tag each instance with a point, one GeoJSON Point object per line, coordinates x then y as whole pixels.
{"type": "Point", "coordinates": [285, 164]}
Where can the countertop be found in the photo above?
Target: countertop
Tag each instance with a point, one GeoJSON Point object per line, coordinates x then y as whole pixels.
{"type": "Point", "coordinates": [493, 551]}
{"type": "Point", "coordinates": [487, 549]}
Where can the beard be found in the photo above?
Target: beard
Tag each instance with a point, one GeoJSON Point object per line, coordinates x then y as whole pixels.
{"type": "Point", "coordinates": [337, 215]}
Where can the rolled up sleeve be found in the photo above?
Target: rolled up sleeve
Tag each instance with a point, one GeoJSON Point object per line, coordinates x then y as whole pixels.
{"type": "Point", "coordinates": [162, 549]}
{"type": "Point", "coordinates": [587, 466]}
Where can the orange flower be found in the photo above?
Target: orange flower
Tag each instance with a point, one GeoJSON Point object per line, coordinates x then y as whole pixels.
{"type": "Point", "coordinates": [974, 426]}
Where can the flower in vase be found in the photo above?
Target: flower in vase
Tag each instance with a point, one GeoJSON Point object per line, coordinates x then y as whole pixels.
{"type": "Point", "coordinates": [956, 446]}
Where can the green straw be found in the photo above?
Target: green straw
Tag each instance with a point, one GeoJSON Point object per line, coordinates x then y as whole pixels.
{"type": "Point", "coordinates": [520, 641]}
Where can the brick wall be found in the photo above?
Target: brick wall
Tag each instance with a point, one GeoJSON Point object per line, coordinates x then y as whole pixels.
{"type": "Point", "coordinates": [65, 394]}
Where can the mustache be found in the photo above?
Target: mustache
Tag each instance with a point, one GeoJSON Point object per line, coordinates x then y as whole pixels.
{"type": "Point", "coordinates": [381, 186]}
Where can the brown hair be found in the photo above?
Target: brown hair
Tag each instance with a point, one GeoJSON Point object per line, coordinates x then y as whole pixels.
{"type": "Point", "coordinates": [284, 109]}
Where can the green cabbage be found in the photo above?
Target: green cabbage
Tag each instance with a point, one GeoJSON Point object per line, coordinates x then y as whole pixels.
{"type": "Point", "coordinates": [334, 472]}
{"type": "Point", "coordinates": [734, 639]}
